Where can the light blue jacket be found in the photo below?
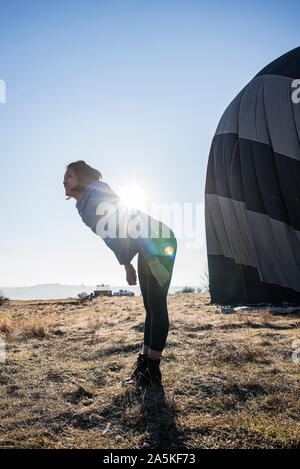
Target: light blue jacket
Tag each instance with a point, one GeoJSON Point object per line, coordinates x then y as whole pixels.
{"type": "Point", "coordinates": [125, 248]}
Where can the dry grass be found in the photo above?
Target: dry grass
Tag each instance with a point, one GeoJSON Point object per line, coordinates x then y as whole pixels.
{"type": "Point", "coordinates": [6, 324]}
{"type": "Point", "coordinates": [228, 379]}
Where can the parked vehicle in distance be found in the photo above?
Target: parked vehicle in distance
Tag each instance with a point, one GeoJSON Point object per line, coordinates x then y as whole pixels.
{"type": "Point", "coordinates": [102, 290]}
{"type": "Point", "coordinates": [123, 293]}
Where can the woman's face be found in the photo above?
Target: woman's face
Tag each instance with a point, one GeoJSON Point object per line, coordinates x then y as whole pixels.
{"type": "Point", "coordinates": [70, 181]}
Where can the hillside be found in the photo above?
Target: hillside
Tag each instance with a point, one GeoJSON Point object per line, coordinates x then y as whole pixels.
{"type": "Point", "coordinates": [228, 377]}
{"type": "Point", "coordinates": [53, 291]}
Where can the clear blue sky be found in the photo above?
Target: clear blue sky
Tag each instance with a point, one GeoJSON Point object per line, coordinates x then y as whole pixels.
{"type": "Point", "coordinates": [136, 89]}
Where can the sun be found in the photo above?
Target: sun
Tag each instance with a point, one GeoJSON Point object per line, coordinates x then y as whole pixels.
{"type": "Point", "coordinates": [133, 196]}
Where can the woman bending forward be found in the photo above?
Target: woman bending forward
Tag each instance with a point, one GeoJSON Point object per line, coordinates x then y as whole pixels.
{"type": "Point", "coordinates": [127, 233]}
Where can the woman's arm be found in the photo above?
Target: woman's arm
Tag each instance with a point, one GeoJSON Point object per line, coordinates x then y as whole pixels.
{"type": "Point", "coordinates": [159, 271]}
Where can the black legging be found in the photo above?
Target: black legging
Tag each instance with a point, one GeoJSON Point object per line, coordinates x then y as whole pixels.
{"type": "Point", "coordinates": [155, 298]}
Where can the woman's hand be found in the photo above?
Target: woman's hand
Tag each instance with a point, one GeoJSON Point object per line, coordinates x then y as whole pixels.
{"type": "Point", "coordinates": [159, 271]}
{"type": "Point", "coordinates": [130, 274]}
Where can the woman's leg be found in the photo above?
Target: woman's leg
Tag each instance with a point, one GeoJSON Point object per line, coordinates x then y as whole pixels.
{"type": "Point", "coordinates": [156, 322]}
{"type": "Point", "coordinates": [140, 366]}
{"type": "Point", "coordinates": [157, 302]}
{"type": "Point", "coordinates": [143, 275]}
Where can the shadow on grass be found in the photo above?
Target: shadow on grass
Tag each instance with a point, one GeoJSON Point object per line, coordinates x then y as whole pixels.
{"type": "Point", "coordinates": [253, 325]}
{"type": "Point", "coordinates": [148, 415]}
{"type": "Point", "coordinates": [114, 350]}
{"type": "Point", "coordinates": [138, 327]}
{"type": "Point", "coordinates": [158, 418]}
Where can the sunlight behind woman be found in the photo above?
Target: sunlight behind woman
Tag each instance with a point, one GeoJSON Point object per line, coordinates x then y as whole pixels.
{"type": "Point", "coordinates": [133, 196]}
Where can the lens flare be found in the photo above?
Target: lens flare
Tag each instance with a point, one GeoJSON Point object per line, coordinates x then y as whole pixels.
{"type": "Point", "coordinates": [169, 251]}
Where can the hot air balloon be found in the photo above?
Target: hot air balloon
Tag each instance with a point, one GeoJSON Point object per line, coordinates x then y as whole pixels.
{"type": "Point", "coordinates": [252, 191]}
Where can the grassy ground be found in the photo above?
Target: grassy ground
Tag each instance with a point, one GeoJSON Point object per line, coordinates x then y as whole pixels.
{"type": "Point", "coordinates": [228, 378]}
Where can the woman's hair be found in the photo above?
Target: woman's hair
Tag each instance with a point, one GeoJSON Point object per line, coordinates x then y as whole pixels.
{"type": "Point", "coordinates": [85, 174]}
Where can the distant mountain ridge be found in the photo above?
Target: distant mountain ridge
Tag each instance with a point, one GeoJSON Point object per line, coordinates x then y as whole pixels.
{"type": "Point", "coordinates": [53, 291]}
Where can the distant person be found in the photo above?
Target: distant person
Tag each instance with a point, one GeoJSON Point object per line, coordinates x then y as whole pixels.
{"type": "Point", "coordinates": [101, 209]}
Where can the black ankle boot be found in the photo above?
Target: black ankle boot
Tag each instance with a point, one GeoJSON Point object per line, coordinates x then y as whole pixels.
{"type": "Point", "coordinates": [153, 374]}
{"type": "Point", "coordinates": [140, 368]}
